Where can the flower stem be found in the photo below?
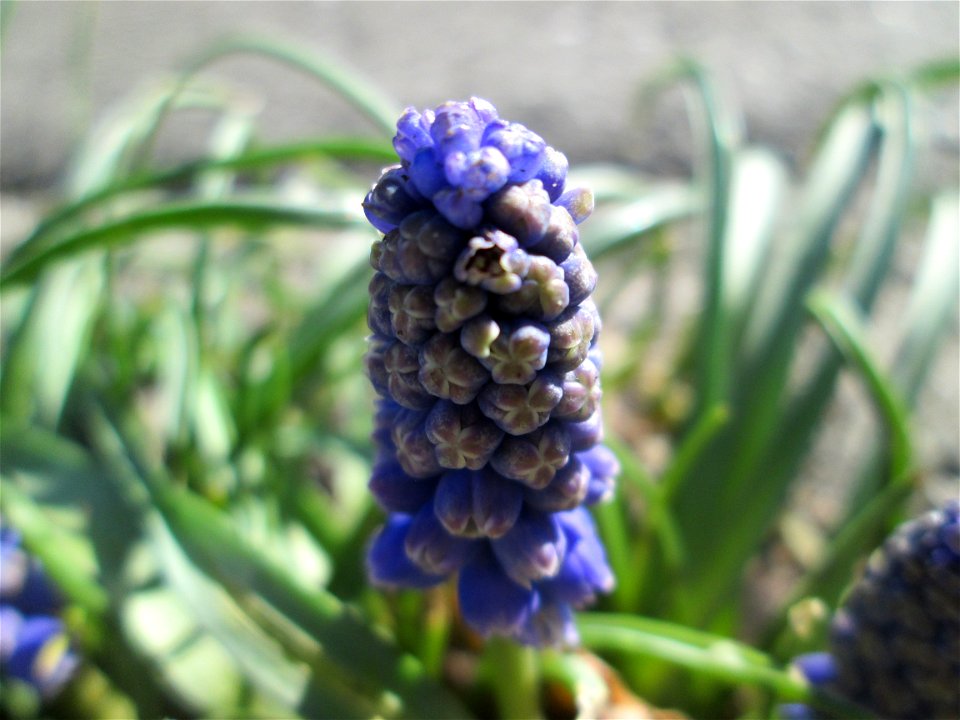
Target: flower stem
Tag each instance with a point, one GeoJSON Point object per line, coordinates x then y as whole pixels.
{"type": "Point", "coordinates": [515, 677]}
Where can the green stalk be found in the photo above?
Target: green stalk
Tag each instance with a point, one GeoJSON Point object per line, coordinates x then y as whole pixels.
{"type": "Point", "coordinates": [515, 675]}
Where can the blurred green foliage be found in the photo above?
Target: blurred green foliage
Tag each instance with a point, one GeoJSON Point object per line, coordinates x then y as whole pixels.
{"type": "Point", "coordinates": [185, 422]}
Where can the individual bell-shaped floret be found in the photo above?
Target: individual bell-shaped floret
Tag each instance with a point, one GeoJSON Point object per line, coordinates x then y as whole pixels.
{"type": "Point", "coordinates": [571, 335]}
{"type": "Point", "coordinates": [523, 211]}
{"type": "Point", "coordinates": [478, 503]}
{"type": "Point", "coordinates": [447, 371]}
{"type": "Point", "coordinates": [432, 548]}
{"type": "Point", "coordinates": [512, 352]}
{"type": "Point", "coordinates": [521, 409]}
{"type": "Point", "coordinates": [456, 303]}
{"type": "Point", "coordinates": [533, 549]}
{"type": "Point", "coordinates": [412, 312]}
{"type": "Point", "coordinates": [542, 295]}
{"type": "Point", "coordinates": [462, 436]}
{"type": "Point", "coordinates": [420, 251]}
{"type": "Point", "coordinates": [396, 491]}
{"type": "Point", "coordinates": [393, 198]}
{"type": "Point", "coordinates": [534, 458]}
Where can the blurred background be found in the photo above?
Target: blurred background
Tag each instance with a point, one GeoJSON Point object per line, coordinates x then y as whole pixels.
{"type": "Point", "coordinates": [569, 69]}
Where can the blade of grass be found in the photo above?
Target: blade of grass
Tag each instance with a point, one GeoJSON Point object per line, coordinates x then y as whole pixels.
{"type": "Point", "coordinates": [27, 261]}
{"type": "Point", "coordinates": [348, 84]}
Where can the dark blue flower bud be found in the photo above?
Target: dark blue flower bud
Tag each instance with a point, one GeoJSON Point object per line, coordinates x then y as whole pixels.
{"type": "Point", "coordinates": [533, 549]}
{"type": "Point", "coordinates": [490, 601]}
{"type": "Point", "coordinates": [522, 148]}
{"type": "Point", "coordinates": [586, 433]}
{"type": "Point", "coordinates": [387, 561]}
{"type": "Point", "coordinates": [604, 469]}
{"type": "Point", "coordinates": [42, 655]}
{"type": "Point", "coordinates": [426, 173]}
{"type": "Point", "coordinates": [520, 409]}
{"type": "Point", "coordinates": [462, 436]}
{"type": "Point", "coordinates": [478, 173]}
{"type": "Point", "coordinates": [493, 261]}
{"type": "Point", "coordinates": [567, 490]}
{"type": "Point", "coordinates": [535, 458]}
{"type": "Point", "coordinates": [477, 503]}
{"type": "Point", "coordinates": [458, 206]}
{"type": "Point", "coordinates": [398, 492]}
{"type": "Point", "coordinates": [413, 133]}
{"type": "Point", "coordinates": [432, 548]}
{"type": "Point", "coordinates": [392, 199]}
{"type": "Point", "coordinates": [447, 371]}
{"type": "Point", "coordinates": [553, 172]}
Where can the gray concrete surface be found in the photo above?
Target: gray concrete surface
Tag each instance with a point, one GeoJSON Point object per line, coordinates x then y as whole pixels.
{"type": "Point", "coordinates": [570, 69]}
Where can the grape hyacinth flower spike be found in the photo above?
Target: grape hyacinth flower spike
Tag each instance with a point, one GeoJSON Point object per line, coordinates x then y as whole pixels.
{"type": "Point", "coordinates": [895, 641]}
{"type": "Point", "coordinates": [484, 354]}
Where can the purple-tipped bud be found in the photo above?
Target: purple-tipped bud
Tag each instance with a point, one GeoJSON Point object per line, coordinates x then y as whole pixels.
{"type": "Point", "coordinates": [447, 371]}
{"type": "Point", "coordinates": [571, 335]}
{"type": "Point", "coordinates": [581, 393]}
{"type": "Point", "coordinates": [432, 548]}
{"type": "Point", "coordinates": [553, 172]}
{"type": "Point", "coordinates": [414, 450]}
{"type": "Point", "coordinates": [543, 295]}
{"type": "Point", "coordinates": [535, 458]}
{"type": "Point", "coordinates": [401, 366]}
{"type": "Point", "coordinates": [524, 150]}
{"type": "Point", "coordinates": [387, 562]}
{"type": "Point", "coordinates": [462, 436]}
{"type": "Point", "coordinates": [478, 503]}
{"type": "Point", "coordinates": [516, 355]}
{"type": "Point", "coordinates": [478, 173]}
{"type": "Point", "coordinates": [567, 490]}
{"type": "Point", "coordinates": [398, 492]}
{"type": "Point", "coordinates": [420, 251]}
{"type": "Point", "coordinates": [521, 409]}
{"type": "Point", "coordinates": [457, 127]}
{"type": "Point", "coordinates": [533, 549]}
{"type": "Point", "coordinates": [426, 173]}
{"type": "Point", "coordinates": [413, 133]}
{"type": "Point", "coordinates": [391, 200]}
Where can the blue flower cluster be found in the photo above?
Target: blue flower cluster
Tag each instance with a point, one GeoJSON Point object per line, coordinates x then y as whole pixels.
{"type": "Point", "coordinates": [34, 647]}
{"type": "Point", "coordinates": [895, 642]}
{"type": "Point", "coordinates": [484, 354]}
